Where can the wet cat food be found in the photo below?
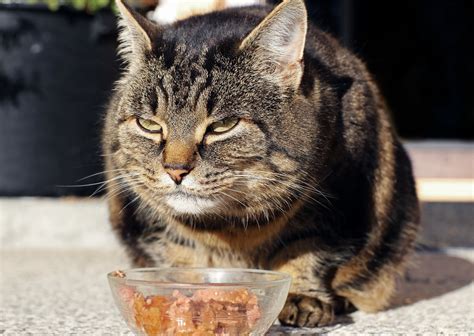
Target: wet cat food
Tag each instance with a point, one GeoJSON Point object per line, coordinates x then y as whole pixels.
{"type": "Point", "coordinates": [206, 312]}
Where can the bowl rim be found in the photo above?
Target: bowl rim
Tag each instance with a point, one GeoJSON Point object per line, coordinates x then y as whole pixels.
{"type": "Point", "coordinates": [284, 277]}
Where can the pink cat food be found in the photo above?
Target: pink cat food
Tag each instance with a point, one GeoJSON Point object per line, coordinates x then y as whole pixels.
{"type": "Point", "coordinates": [206, 312]}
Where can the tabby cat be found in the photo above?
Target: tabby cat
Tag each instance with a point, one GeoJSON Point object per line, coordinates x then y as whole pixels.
{"type": "Point", "coordinates": [249, 138]}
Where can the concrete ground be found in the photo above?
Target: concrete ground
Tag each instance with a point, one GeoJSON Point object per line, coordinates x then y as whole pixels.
{"type": "Point", "coordinates": [54, 256]}
{"type": "Point", "coordinates": [65, 292]}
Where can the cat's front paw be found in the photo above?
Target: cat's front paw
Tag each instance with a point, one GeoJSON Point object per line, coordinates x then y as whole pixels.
{"type": "Point", "coordinates": [304, 311]}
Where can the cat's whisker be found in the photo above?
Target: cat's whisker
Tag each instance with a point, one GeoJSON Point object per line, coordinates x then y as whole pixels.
{"type": "Point", "coordinates": [291, 184]}
{"type": "Point", "coordinates": [235, 199]}
{"type": "Point", "coordinates": [272, 200]}
{"type": "Point", "coordinates": [265, 196]}
{"type": "Point", "coordinates": [116, 178]}
{"type": "Point", "coordinates": [101, 173]}
{"type": "Point", "coordinates": [80, 185]}
{"type": "Point", "coordinates": [300, 181]}
{"type": "Point", "coordinates": [121, 189]}
{"type": "Point", "coordinates": [247, 213]}
{"type": "Point", "coordinates": [100, 185]}
{"type": "Point", "coordinates": [129, 203]}
{"type": "Point", "coordinates": [304, 191]}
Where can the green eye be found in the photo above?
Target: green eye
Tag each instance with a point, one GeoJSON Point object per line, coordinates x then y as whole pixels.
{"type": "Point", "coordinates": [149, 125]}
{"type": "Point", "coordinates": [223, 125]}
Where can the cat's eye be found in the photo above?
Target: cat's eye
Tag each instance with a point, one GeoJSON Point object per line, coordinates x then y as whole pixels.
{"type": "Point", "coordinates": [149, 125]}
{"type": "Point", "coordinates": [223, 125]}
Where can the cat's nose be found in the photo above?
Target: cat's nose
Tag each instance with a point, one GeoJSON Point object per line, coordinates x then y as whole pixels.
{"type": "Point", "coordinates": [177, 173]}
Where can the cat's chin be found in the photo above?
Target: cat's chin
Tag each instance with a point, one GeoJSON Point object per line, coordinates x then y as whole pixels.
{"type": "Point", "coordinates": [187, 204]}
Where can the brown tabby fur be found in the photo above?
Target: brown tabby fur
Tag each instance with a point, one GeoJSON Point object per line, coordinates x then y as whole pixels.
{"type": "Point", "coordinates": [313, 180]}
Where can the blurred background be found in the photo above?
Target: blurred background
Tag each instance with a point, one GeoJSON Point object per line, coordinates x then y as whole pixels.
{"type": "Point", "coordinates": [58, 64]}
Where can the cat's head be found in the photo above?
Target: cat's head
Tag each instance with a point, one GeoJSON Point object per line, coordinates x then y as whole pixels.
{"type": "Point", "coordinates": [209, 117]}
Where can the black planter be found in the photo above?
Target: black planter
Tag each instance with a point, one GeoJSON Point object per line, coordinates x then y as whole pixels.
{"type": "Point", "coordinates": [56, 73]}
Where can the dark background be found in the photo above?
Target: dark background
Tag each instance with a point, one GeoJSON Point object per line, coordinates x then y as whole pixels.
{"type": "Point", "coordinates": [421, 54]}
{"type": "Point", "coordinates": [57, 70]}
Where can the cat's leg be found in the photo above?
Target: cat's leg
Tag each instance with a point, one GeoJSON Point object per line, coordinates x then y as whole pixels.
{"type": "Point", "coordinates": [371, 296]}
{"type": "Point", "coordinates": [306, 310]}
{"type": "Point", "coordinates": [129, 228]}
{"type": "Point", "coordinates": [311, 301]}
{"type": "Point", "coordinates": [367, 280]}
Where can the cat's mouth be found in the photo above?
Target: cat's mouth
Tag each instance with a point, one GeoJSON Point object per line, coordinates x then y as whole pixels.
{"type": "Point", "coordinates": [183, 202]}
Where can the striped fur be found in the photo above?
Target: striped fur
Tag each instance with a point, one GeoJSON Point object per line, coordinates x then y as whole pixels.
{"type": "Point", "coordinates": [312, 181]}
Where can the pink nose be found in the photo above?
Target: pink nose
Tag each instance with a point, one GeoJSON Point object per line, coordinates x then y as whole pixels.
{"type": "Point", "coordinates": [177, 175]}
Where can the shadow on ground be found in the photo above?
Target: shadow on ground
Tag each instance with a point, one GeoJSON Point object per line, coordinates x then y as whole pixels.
{"type": "Point", "coordinates": [431, 275]}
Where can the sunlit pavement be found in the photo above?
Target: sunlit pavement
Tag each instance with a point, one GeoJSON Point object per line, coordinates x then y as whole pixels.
{"type": "Point", "coordinates": [64, 292]}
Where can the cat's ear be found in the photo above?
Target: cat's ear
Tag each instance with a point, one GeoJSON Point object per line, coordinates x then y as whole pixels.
{"type": "Point", "coordinates": [278, 42]}
{"type": "Point", "coordinates": [136, 32]}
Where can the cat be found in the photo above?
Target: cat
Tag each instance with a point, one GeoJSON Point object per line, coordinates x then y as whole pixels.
{"type": "Point", "coordinates": [249, 138]}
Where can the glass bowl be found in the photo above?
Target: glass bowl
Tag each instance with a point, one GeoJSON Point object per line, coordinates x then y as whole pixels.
{"type": "Point", "coordinates": [199, 301]}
